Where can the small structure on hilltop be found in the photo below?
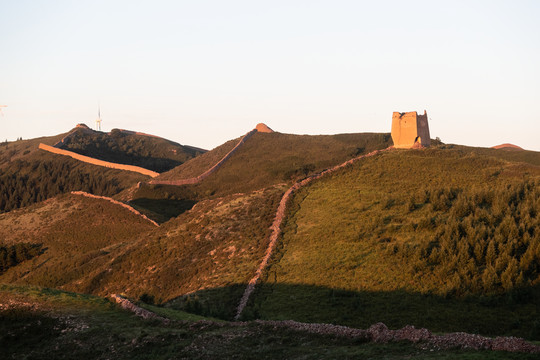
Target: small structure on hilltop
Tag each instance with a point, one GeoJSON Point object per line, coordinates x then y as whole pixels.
{"type": "Point", "coordinates": [410, 130]}
{"type": "Point", "coordinates": [263, 128]}
{"type": "Point", "coordinates": [98, 120]}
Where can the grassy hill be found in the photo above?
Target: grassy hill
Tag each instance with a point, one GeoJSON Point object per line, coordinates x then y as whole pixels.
{"type": "Point", "coordinates": [216, 244]}
{"type": "Point", "coordinates": [445, 239]}
{"type": "Point", "coordinates": [75, 234]}
{"type": "Point", "coordinates": [128, 147]}
{"type": "Point", "coordinates": [272, 158]}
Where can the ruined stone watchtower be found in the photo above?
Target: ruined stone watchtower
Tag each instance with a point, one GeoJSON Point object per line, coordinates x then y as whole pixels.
{"type": "Point", "coordinates": [410, 129]}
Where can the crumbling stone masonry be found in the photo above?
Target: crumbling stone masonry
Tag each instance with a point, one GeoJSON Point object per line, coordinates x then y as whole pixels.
{"type": "Point", "coordinates": [410, 130]}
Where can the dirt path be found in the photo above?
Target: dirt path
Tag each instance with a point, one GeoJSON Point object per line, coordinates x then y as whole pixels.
{"type": "Point", "coordinates": [82, 193]}
{"type": "Point", "coordinates": [208, 172]}
{"type": "Point", "coordinates": [278, 219]}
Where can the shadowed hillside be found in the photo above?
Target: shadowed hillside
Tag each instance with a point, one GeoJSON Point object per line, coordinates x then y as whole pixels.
{"type": "Point", "coordinates": [39, 175]}
{"type": "Point", "coordinates": [130, 148]}
{"type": "Point", "coordinates": [46, 323]}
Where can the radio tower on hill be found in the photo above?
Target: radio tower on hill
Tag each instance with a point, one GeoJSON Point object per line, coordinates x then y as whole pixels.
{"type": "Point", "coordinates": [98, 120]}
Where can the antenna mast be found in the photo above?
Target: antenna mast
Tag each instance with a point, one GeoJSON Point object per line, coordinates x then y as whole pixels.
{"type": "Point", "coordinates": [2, 106]}
{"type": "Point", "coordinates": [98, 120]}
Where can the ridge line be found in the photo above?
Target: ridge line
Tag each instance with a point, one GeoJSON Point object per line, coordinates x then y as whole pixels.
{"type": "Point", "coordinates": [208, 172]}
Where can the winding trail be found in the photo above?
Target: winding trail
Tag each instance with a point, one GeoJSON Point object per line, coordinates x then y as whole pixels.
{"type": "Point", "coordinates": [278, 219]}
{"type": "Point", "coordinates": [126, 206]}
{"type": "Point", "coordinates": [208, 172]}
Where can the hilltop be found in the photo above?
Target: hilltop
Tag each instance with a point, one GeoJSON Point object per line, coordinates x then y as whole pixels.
{"type": "Point", "coordinates": [444, 237]}
{"type": "Point", "coordinates": [128, 147]}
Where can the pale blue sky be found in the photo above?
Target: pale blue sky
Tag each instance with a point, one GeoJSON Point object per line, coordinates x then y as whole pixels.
{"type": "Point", "coordinates": [203, 72]}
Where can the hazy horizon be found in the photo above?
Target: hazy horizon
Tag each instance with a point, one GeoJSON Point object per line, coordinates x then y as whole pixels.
{"type": "Point", "coordinates": [206, 72]}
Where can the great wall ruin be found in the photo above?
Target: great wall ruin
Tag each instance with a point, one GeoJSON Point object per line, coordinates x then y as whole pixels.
{"type": "Point", "coordinates": [208, 172]}
{"type": "Point", "coordinates": [410, 130]}
{"type": "Point", "coordinates": [93, 161]}
{"type": "Point", "coordinates": [125, 206]}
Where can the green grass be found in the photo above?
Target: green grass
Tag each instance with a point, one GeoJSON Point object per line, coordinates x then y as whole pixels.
{"type": "Point", "coordinates": [271, 158]}
{"type": "Point", "coordinates": [198, 165]}
{"type": "Point", "coordinates": [358, 246]}
{"type": "Point", "coordinates": [49, 323]}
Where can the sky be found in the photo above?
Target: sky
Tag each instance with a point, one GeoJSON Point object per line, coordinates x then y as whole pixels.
{"type": "Point", "coordinates": [204, 72]}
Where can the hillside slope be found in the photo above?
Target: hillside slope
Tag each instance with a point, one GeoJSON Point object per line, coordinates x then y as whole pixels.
{"type": "Point", "coordinates": [76, 234]}
{"type": "Point", "coordinates": [272, 158]}
{"type": "Point", "coordinates": [416, 237]}
{"type": "Point", "coordinates": [128, 147]}
{"type": "Point", "coordinates": [40, 175]}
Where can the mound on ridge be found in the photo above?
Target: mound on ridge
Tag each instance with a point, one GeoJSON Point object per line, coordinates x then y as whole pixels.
{"type": "Point", "coordinates": [507, 147]}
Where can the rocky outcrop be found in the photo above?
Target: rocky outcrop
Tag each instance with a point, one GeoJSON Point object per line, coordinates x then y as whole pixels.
{"type": "Point", "coordinates": [276, 225]}
{"type": "Point", "coordinates": [208, 172]}
{"type": "Point", "coordinates": [125, 206]}
{"type": "Point", "coordinates": [98, 162]}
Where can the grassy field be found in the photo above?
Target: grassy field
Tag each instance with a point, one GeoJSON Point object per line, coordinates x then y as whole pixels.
{"type": "Point", "coordinates": [444, 239]}
{"type": "Point", "coordinates": [37, 323]}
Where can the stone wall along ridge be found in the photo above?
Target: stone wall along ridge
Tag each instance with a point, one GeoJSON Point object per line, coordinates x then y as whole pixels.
{"type": "Point", "coordinates": [278, 219]}
{"type": "Point", "coordinates": [93, 161]}
{"type": "Point", "coordinates": [208, 172]}
{"type": "Point", "coordinates": [125, 206]}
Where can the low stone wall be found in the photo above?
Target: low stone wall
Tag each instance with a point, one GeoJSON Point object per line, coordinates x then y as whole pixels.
{"type": "Point", "coordinates": [378, 333]}
{"type": "Point", "coordinates": [126, 206]}
{"type": "Point", "coordinates": [139, 311]}
{"type": "Point", "coordinates": [208, 172]}
{"type": "Point", "coordinates": [98, 162]}
{"type": "Point", "coordinates": [278, 219]}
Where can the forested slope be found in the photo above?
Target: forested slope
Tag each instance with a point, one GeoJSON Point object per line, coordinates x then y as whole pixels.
{"type": "Point", "coordinates": [452, 232]}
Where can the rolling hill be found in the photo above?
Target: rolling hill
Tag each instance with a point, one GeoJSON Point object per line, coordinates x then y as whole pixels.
{"type": "Point", "coordinates": [434, 238]}
{"type": "Point", "coordinates": [128, 147]}
{"type": "Point", "coordinates": [445, 237]}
